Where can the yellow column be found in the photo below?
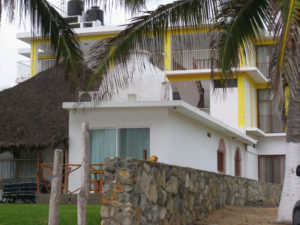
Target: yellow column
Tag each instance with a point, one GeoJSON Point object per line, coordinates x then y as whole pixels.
{"type": "Point", "coordinates": [33, 57]}
{"type": "Point", "coordinates": [241, 101]}
{"type": "Point", "coordinates": [167, 45]}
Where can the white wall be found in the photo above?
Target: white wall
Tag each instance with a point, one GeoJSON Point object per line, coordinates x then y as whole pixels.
{"type": "Point", "coordinates": [191, 147]}
{"type": "Point", "coordinates": [250, 163]}
{"type": "Point", "coordinates": [156, 119]}
{"type": "Point", "coordinates": [272, 146]}
{"type": "Point", "coordinates": [224, 105]}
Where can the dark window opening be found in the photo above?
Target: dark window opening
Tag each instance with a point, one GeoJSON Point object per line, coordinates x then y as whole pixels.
{"type": "Point", "coordinates": [225, 83]}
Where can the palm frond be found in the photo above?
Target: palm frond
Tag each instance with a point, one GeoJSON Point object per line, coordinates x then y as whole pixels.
{"type": "Point", "coordinates": [239, 23]}
{"type": "Point", "coordinates": [45, 20]}
{"type": "Point", "coordinates": [286, 57]}
{"type": "Point", "coordinates": [182, 13]}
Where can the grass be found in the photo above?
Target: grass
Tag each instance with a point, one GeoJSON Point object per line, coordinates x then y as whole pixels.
{"type": "Point", "coordinates": [33, 214]}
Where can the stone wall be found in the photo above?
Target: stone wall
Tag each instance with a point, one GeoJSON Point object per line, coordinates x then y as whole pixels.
{"type": "Point", "coordinates": [140, 192]}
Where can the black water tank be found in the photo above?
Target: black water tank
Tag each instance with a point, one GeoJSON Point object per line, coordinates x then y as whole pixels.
{"type": "Point", "coordinates": [75, 7]}
{"type": "Point", "coordinates": [94, 14]}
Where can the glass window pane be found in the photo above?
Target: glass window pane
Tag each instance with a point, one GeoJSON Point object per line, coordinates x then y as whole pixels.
{"type": "Point", "coordinates": [276, 170]}
{"type": "Point", "coordinates": [103, 144]}
{"type": "Point", "coordinates": [133, 142]}
{"type": "Point", "coordinates": [262, 168]}
{"type": "Point", "coordinates": [269, 171]}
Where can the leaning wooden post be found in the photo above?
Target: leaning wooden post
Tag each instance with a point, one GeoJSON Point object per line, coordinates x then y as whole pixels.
{"type": "Point", "coordinates": [38, 174]}
{"type": "Point", "coordinates": [84, 189]}
{"type": "Point", "coordinates": [55, 187]}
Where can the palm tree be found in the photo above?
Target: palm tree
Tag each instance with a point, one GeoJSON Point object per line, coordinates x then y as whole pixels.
{"type": "Point", "coordinates": [47, 21]}
{"type": "Point", "coordinates": [235, 23]}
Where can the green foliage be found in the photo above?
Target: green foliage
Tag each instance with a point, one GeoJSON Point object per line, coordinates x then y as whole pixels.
{"type": "Point", "coordinates": [32, 214]}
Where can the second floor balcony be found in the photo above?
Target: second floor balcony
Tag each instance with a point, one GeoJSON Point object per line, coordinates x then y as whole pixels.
{"type": "Point", "coordinates": [194, 59]}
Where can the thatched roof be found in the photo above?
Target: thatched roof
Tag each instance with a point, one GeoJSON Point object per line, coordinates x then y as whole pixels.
{"type": "Point", "coordinates": [31, 114]}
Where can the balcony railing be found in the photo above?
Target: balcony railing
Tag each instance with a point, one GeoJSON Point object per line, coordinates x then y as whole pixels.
{"type": "Point", "coordinates": [271, 123]}
{"type": "Point", "coordinates": [23, 70]}
{"type": "Point", "coordinates": [194, 59]}
{"type": "Point", "coordinates": [45, 64]}
{"type": "Point", "coordinates": [264, 68]}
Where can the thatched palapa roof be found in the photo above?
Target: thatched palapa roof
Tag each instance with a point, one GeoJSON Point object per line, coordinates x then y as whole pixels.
{"type": "Point", "coordinates": [31, 114]}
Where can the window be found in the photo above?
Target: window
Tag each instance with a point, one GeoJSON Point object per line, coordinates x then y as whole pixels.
{"type": "Point", "coordinates": [221, 157]}
{"type": "Point", "coordinates": [229, 83]}
{"type": "Point", "coordinates": [237, 163]}
{"type": "Point", "coordinates": [125, 142]}
{"type": "Point", "coordinates": [271, 168]}
{"type": "Point", "coordinates": [269, 119]}
{"type": "Point", "coordinates": [264, 54]}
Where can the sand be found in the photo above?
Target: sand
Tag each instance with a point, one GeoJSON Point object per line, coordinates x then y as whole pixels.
{"type": "Point", "coordinates": [242, 216]}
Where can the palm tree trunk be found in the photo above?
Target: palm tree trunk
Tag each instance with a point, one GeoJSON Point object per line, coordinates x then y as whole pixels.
{"type": "Point", "coordinates": [291, 187]}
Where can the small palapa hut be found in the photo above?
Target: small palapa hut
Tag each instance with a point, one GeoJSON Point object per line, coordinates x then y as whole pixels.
{"type": "Point", "coordinates": [33, 123]}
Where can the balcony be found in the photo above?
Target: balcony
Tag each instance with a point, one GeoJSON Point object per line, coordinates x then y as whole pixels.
{"type": "Point", "coordinates": [193, 59]}
{"type": "Point", "coordinates": [271, 123]}
{"type": "Point", "coordinates": [264, 68]}
{"type": "Point", "coordinates": [23, 70]}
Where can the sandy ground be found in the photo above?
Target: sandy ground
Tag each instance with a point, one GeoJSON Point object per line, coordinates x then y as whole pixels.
{"type": "Point", "coordinates": [242, 216]}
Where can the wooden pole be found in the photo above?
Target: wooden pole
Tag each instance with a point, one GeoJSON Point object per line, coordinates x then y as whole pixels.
{"type": "Point", "coordinates": [84, 190]}
{"type": "Point", "coordinates": [38, 174]}
{"type": "Point", "coordinates": [55, 187]}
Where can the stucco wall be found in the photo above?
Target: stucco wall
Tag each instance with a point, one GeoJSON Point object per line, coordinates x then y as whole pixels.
{"type": "Point", "coordinates": [272, 146]}
{"type": "Point", "coordinates": [190, 146]}
{"type": "Point", "coordinates": [224, 105]}
{"type": "Point", "coordinates": [141, 192]}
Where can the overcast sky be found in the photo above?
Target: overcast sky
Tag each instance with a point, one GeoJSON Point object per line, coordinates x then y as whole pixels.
{"type": "Point", "coordinates": [9, 44]}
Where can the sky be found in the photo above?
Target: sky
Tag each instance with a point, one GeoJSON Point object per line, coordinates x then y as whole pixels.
{"type": "Point", "coordinates": [9, 45]}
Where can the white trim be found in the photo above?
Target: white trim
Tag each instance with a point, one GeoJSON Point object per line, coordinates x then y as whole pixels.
{"type": "Point", "coordinates": [253, 72]}
{"type": "Point", "coordinates": [178, 106]}
{"type": "Point", "coordinates": [259, 133]}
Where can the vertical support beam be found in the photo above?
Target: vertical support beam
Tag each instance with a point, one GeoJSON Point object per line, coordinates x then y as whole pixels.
{"type": "Point", "coordinates": [55, 187]}
{"type": "Point", "coordinates": [84, 190]}
{"type": "Point", "coordinates": [241, 101]}
{"type": "Point", "coordinates": [33, 57]}
{"type": "Point", "coordinates": [38, 174]}
{"type": "Point", "coordinates": [167, 46]}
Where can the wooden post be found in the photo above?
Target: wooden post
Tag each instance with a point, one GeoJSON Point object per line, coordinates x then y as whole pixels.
{"type": "Point", "coordinates": [38, 174]}
{"type": "Point", "coordinates": [55, 187]}
{"type": "Point", "coordinates": [84, 190]}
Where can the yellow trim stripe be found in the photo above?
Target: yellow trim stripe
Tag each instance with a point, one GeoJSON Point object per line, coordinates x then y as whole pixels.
{"type": "Point", "coordinates": [167, 58]}
{"type": "Point", "coordinates": [47, 57]}
{"type": "Point", "coordinates": [33, 58]}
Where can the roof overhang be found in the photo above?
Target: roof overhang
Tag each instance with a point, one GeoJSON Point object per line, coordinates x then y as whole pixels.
{"type": "Point", "coordinates": [178, 106]}
{"type": "Point", "coordinates": [257, 133]}
{"type": "Point", "coordinates": [88, 31]}
{"type": "Point", "coordinates": [180, 75]}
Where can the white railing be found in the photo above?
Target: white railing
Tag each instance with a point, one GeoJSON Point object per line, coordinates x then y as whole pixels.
{"type": "Point", "coordinates": [194, 59]}
{"type": "Point", "coordinates": [264, 68]}
{"type": "Point", "coordinates": [45, 64]}
{"type": "Point", "coordinates": [23, 70]}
